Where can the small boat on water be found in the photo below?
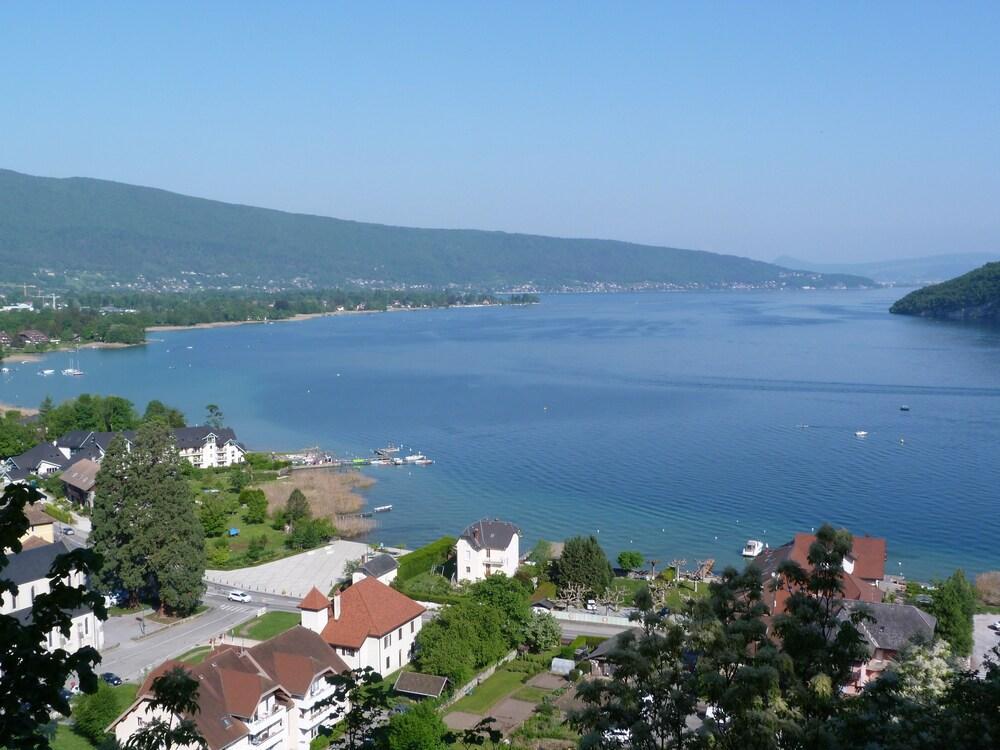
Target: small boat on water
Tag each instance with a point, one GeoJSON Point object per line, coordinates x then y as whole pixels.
{"type": "Point", "coordinates": [752, 548]}
{"type": "Point", "coordinates": [415, 458]}
{"type": "Point", "coordinates": [46, 373]}
{"type": "Point", "coordinates": [382, 508]}
{"type": "Point", "coordinates": [72, 371]}
{"type": "Point", "coordinates": [423, 462]}
{"type": "Point", "coordinates": [860, 434]}
{"type": "Point", "coordinates": [5, 370]}
{"type": "Point", "coordinates": [904, 407]}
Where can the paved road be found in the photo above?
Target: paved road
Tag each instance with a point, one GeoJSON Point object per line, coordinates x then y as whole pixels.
{"type": "Point", "coordinates": [132, 658]}
{"type": "Point", "coordinates": [216, 593]}
{"type": "Point", "coordinates": [984, 639]}
{"type": "Point", "coordinates": [572, 628]}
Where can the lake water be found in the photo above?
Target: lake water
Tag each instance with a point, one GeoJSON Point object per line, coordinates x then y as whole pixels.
{"type": "Point", "coordinates": [677, 424]}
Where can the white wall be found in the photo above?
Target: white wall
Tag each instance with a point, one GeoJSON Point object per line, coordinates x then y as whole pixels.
{"type": "Point", "coordinates": [474, 565]}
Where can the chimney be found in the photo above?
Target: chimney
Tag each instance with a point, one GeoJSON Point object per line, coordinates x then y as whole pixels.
{"type": "Point", "coordinates": [336, 606]}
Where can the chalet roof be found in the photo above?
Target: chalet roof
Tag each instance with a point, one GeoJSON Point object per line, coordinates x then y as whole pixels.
{"type": "Point", "coordinates": [868, 553]}
{"type": "Point", "coordinates": [369, 608]}
{"type": "Point", "coordinates": [415, 683]}
{"type": "Point", "coordinates": [43, 452]}
{"type": "Point", "coordinates": [895, 625]}
{"type": "Point", "coordinates": [81, 474]}
{"type": "Point", "coordinates": [194, 437]}
{"type": "Point", "coordinates": [379, 566]}
{"type": "Point", "coordinates": [490, 534]}
{"type": "Point", "coordinates": [33, 564]}
{"type": "Point", "coordinates": [232, 681]}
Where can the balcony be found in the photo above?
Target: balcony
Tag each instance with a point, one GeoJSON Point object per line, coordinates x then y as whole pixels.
{"type": "Point", "coordinates": [268, 734]}
{"type": "Point", "coordinates": [263, 715]}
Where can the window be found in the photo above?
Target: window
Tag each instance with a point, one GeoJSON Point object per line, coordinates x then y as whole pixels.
{"type": "Point", "coordinates": [387, 640]}
{"type": "Point", "coordinates": [411, 625]}
{"type": "Point", "coordinates": [400, 634]}
{"type": "Point", "coordinates": [387, 662]}
{"type": "Point", "coordinates": [468, 569]}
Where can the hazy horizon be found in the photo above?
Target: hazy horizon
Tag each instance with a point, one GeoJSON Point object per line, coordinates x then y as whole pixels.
{"type": "Point", "coordinates": [842, 134]}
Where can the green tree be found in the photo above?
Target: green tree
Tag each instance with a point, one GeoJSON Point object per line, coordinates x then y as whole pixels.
{"type": "Point", "coordinates": [256, 505]}
{"type": "Point", "coordinates": [308, 533]}
{"type": "Point", "coordinates": [256, 547]}
{"type": "Point", "coordinates": [31, 676]}
{"type": "Point", "coordinates": [173, 706]}
{"type": "Point", "coordinates": [652, 693]}
{"type": "Point", "coordinates": [542, 632]}
{"type": "Point", "coordinates": [115, 414]}
{"type": "Point", "coordinates": [630, 559]}
{"type": "Point", "coordinates": [509, 598]}
{"type": "Point", "coordinates": [118, 521]}
{"type": "Point", "coordinates": [361, 700]}
{"type": "Point", "coordinates": [214, 515]}
{"type": "Point", "coordinates": [954, 604]}
{"type": "Point", "coordinates": [420, 728]}
{"type": "Point", "coordinates": [297, 507]}
{"type": "Point", "coordinates": [214, 417]}
{"type": "Point", "coordinates": [93, 713]}
{"type": "Point", "coordinates": [584, 563]}
{"type": "Point", "coordinates": [145, 522]}
{"type": "Point", "coordinates": [15, 437]}
{"type": "Point", "coordinates": [157, 411]}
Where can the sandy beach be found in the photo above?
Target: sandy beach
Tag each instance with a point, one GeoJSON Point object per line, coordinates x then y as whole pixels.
{"type": "Point", "coordinates": [231, 323]}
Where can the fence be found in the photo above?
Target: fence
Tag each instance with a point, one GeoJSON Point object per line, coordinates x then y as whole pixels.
{"type": "Point", "coordinates": [479, 678]}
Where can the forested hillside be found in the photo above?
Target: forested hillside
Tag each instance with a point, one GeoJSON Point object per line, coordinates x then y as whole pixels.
{"type": "Point", "coordinates": [119, 231]}
{"type": "Point", "coordinates": [972, 296]}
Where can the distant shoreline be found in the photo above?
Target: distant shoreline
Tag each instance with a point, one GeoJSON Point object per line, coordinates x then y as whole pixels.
{"type": "Point", "coordinates": [25, 410]}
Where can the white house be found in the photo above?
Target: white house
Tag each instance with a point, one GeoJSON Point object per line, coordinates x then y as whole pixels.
{"type": "Point", "coordinates": [29, 571]}
{"type": "Point", "coordinates": [382, 567]}
{"type": "Point", "coordinates": [263, 698]}
{"type": "Point", "coordinates": [368, 624]}
{"type": "Point", "coordinates": [487, 547]}
{"type": "Point", "coordinates": [208, 447]}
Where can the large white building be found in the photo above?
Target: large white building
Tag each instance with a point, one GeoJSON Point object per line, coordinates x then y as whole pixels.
{"type": "Point", "coordinates": [29, 571]}
{"type": "Point", "coordinates": [487, 547]}
{"type": "Point", "coordinates": [267, 697]}
{"type": "Point", "coordinates": [369, 624]}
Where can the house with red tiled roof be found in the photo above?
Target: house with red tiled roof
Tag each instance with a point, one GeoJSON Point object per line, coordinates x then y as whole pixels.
{"type": "Point", "coordinates": [862, 571]}
{"type": "Point", "coordinates": [368, 624]}
{"type": "Point", "coordinates": [268, 697]}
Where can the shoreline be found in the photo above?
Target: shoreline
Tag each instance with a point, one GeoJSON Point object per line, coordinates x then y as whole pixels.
{"type": "Point", "coordinates": [26, 411]}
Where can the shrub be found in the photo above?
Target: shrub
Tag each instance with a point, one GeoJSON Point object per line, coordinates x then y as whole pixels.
{"type": "Point", "coordinates": [988, 587]}
{"type": "Point", "coordinates": [425, 559]}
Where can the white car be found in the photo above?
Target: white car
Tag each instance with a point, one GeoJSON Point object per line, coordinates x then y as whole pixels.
{"type": "Point", "coordinates": [239, 596]}
{"type": "Point", "coordinates": [591, 605]}
{"type": "Point", "coordinates": [995, 626]}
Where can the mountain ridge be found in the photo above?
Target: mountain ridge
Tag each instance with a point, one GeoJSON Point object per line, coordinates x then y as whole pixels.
{"type": "Point", "coordinates": [121, 231]}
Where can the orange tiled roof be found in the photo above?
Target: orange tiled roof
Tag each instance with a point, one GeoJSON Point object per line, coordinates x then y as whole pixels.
{"type": "Point", "coordinates": [314, 601]}
{"type": "Point", "coordinates": [369, 608]}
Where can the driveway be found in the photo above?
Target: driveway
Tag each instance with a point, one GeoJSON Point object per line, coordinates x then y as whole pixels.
{"type": "Point", "coordinates": [294, 576]}
{"type": "Point", "coordinates": [983, 639]}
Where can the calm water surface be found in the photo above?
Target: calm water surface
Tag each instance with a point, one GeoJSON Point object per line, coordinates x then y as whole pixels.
{"type": "Point", "coordinates": [677, 424]}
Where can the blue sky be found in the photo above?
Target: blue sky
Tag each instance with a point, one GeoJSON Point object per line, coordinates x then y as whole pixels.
{"type": "Point", "coordinates": [834, 131]}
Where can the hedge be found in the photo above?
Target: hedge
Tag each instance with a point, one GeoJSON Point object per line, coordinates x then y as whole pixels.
{"type": "Point", "coordinates": [425, 559]}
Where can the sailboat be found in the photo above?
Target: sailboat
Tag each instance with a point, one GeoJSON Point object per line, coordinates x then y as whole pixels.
{"type": "Point", "coordinates": [74, 371]}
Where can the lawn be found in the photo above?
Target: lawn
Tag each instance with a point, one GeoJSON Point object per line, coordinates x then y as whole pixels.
{"type": "Point", "coordinates": [196, 655]}
{"type": "Point", "coordinates": [268, 625]}
{"type": "Point", "coordinates": [67, 739]}
{"type": "Point", "coordinates": [676, 595]}
{"type": "Point", "coordinates": [490, 692]}
{"type": "Point", "coordinates": [530, 694]}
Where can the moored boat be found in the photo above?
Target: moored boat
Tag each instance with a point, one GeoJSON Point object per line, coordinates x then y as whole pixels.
{"type": "Point", "coordinates": [752, 548]}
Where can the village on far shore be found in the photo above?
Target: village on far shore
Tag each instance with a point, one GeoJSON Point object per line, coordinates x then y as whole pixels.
{"type": "Point", "coordinates": [271, 640]}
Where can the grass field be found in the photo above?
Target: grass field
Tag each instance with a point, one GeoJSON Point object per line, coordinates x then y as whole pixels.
{"type": "Point", "coordinates": [497, 687]}
{"type": "Point", "coordinates": [67, 739]}
{"type": "Point", "coordinates": [268, 625]}
{"type": "Point", "coordinates": [196, 655]}
{"type": "Point", "coordinates": [530, 694]}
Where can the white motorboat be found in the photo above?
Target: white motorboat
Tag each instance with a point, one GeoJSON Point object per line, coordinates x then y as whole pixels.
{"type": "Point", "coordinates": [752, 548]}
{"type": "Point", "coordinates": [46, 372]}
{"type": "Point", "coordinates": [72, 371]}
{"type": "Point", "coordinates": [5, 370]}
{"type": "Point", "coordinates": [415, 458]}
{"type": "Point", "coordinates": [860, 434]}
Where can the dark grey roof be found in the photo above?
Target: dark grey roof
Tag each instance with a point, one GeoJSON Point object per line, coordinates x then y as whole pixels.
{"type": "Point", "coordinates": [379, 566]}
{"type": "Point", "coordinates": [42, 452]}
{"type": "Point", "coordinates": [415, 683]}
{"type": "Point", "coordinates": [193, 437]}
{"type": "Point", "coordinates": [74, 440]}
{"type": "Point", "coordinates": [33, 564]}
{"type": "Point", "coordinates": [80, 440]}
{"type": "Point", "coordinates": [895, 625]}
{"type": "Point", "coordinates": [772, 557]}
{"type": "Point", "coordinates": [490, 534]}
{"type": "Point", "coordinates": [605, 647]}
{"type": "Point", "coordinates": [23, 615]}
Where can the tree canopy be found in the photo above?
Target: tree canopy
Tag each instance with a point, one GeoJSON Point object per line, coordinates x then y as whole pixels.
{"type": "Point", "coordinates": [584, 563]}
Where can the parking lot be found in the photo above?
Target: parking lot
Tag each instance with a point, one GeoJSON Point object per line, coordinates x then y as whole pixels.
{"type": "Point", "coordinates": [294, 576]}
{"type": "Point", "coordinates": [984, 639]}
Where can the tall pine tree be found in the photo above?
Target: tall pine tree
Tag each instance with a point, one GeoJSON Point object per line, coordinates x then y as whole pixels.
{"type": "Point", "coordinates": [145, 522]}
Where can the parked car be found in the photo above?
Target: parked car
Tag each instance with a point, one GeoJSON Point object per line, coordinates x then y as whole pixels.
{"type": "Point", "coordinates": [591, 605]}
{"type": "Point", "coordinates": [68, 531]}
{"type": "Point", "coordinates": [995, 626]}
{"type": "Point", "coordinates": [111, 678]}
{"type": "Point", "coordinates": [239, 596]}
